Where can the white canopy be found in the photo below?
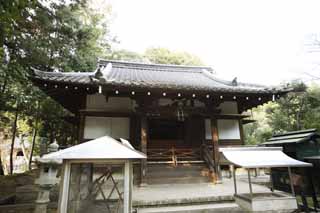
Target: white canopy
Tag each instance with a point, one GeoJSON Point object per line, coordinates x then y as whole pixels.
{"type": "Point", "coordinates": [101, 148]}
{"type": "Point", "coordinates": [260, 157]}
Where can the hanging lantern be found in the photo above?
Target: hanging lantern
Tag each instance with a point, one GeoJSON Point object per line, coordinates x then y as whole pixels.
{"type": "Point", "coordinates": [180, 112]}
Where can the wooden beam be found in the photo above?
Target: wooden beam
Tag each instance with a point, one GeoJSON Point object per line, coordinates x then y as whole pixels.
{"type": "Point", "coordinates": [103, 113]}
{"type": "Point", "coordinates": [216, 153]}
{"type": "Point", "coordinates": [230, 116]}
{"type": "Point", "coordinates": [144, 141]}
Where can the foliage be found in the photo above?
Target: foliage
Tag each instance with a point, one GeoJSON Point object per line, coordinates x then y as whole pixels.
{"type": "Point", "coordinates": [165, 56]}
{"type": "Point", "coordinates": [48, 35]}
{"type": "Point", "coordinates": [260, 130]}
{"type": "Point", "coordinates": [296, 111]}
{"type": "Point", "coordinates": [290, 111]}
{"type": "Point", "coordinates": [126, 55]}
{"type": "Point", "coordinates": [158, 56]}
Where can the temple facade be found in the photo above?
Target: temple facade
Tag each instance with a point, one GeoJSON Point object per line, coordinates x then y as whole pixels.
{"type": "Point", "coordinates": [174, 114]}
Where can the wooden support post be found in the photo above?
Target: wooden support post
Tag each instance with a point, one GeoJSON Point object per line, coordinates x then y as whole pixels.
{"type": "Point", "coordinates": [64, 188]}
{"type": "Point", "coordinates": [250, 184]}
{"type": "Point", "coordinates": [233, 168]}
{"type": "Point", "coordinates": [127, 205]}
{"type": "Point", "coordinates": [291, 182]}
{"type": "Point", "coordinates": [144, 140]}
{"type": "Point", "coordinates": [271, 181]}
{"type": "Point", "coordinates": [216, 153]}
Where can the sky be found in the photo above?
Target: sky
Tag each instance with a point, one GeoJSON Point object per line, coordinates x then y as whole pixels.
{"type": "Point", "coordinates": [265, 42]}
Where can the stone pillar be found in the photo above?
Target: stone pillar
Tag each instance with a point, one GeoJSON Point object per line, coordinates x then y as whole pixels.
{"type": "Point", "coordinates": [43, 146]}
{"type": "Point", "coordinates": [47, 179]}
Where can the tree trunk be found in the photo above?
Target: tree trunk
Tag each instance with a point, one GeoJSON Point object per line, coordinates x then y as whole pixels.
{"type": "Point", "coordinates": [4, 85]}
{"type": "Point", "coordinates": [24, 150]}
{"type": "Point", "coordinates": [2, 91]}
{"type": "Point", "coordinates": [14, 130]}
{"type": "Point", "coordinates": [1, 169]}
{"type": "Point", "coordinates": [1, 144]}
{"type": "Point", "coordinates": [34, 136]}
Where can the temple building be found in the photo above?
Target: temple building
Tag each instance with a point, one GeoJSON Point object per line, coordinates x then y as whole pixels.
{"type": "Point", "coordinates": [174, 114]}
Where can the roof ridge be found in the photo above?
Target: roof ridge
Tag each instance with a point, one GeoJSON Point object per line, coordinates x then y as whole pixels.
{"type": "Point", "coordinates": [212, 77]}
{"type": "Point", "coordinates": [286, 137]}
{"type": "Point", "coordinates": [153, 64]}
{"type": "Point", "coordinates": [314, 130]}
{"type": "Point", "coordinates": [39, 72]}
{"type": "Point", "coordinates": [229, 83]}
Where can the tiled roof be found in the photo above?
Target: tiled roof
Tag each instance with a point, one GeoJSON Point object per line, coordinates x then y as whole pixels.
{"type": "Point", "coordinates": [292, 137]}
{"type": "Point", "coordinates": [141, 75]}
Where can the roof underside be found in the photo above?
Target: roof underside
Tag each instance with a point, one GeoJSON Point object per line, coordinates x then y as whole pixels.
{"type": "Point", "coordinates": [260, 158]}
{"type": "Point", "coordinates": [155, 76]}
{"type": "Point", "coordinates": [293, 137]}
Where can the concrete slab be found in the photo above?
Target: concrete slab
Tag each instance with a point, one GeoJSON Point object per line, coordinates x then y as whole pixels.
{"type": "Point", "coordinates": [226, 207]}
{"type": "Point", "coordinates": [168, 194]}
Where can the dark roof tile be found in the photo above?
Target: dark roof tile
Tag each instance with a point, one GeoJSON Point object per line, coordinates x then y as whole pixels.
{"type": "Point", "coordinates": [128, 74]}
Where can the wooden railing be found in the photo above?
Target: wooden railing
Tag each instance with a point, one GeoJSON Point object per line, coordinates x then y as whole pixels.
{"type": "Point", "coordinates": [207, 156]}
{"type": "Point", "coordinates": [173, 155]}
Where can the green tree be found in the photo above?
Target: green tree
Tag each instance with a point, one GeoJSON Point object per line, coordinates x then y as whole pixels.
{"type": "Point", "coordinates": [126, 55]}
{"type": "Point", "coordinates": [296, 111]}
{"type": "Point", "coordinates": [260, 130]}
{"type": "Point", "coordinates": [47, 35]}
{"type": "Point", "coordinates": [290, 111]}
{"type": "Point", "coordinates": [165, 56]}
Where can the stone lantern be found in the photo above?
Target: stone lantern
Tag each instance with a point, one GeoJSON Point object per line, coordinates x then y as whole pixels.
{"type": "Point", "coordinates": [97, 176]}
{"type": "Point", "coordinates": [48, 177]}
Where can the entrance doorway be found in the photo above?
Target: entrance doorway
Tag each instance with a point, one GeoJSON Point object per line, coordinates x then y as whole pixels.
{"type": "Point", "coordinates": [165, 133]}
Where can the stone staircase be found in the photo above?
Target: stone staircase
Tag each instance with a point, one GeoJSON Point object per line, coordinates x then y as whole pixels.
{"type": "Point", "coordinates": [196, 172]}
{"type": "Point", "coordinates": [176, 166]}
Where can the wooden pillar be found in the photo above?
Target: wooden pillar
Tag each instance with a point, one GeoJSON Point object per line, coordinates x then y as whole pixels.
{"type": "Point", "coordinates": [144, 140]}
{"type": "Point", "coordinates": [81, 128]}
{"type": "Point", "coordinates": [216, 153]}
{"type": "Point", "coordinates": [64, 187]}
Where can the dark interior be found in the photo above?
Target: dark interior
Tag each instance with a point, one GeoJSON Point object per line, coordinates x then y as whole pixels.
{"type": "Point", "coordinates": [162, 129]}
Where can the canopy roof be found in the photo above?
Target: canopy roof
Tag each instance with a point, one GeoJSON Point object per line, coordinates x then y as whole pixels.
{"type": "Point", "coordinates": [260, 157]}
{"type": "Point", "coordinates": [101, 148]}
{"type": "Point", "coordinates": [316, 157]}
{"type": "Point", "coordinates": [293, 137]}
{"type": "Point", "coordinates": [131, 75]}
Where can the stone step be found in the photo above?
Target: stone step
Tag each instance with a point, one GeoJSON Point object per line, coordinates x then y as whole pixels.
{"type": "Point", "coordinates": [178, 174]}
{"type": "Point", "coordinates": [178, 180]}
{"type": "Point", "coordinates": [185, 173]}
{"type": "Point", "coordinates": [184, 167]}
{"type": "Point", "coordinates": [200, 208]}
{"type": "Point", "coordinates": [194, 161]}
{"type": "Point", "coordinates": [173, 172]}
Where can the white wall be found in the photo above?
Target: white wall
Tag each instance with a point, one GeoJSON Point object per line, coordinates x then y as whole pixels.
{"type": "Point", "coordinates": [115, 127]}
{"type": "Point", "coordinates": [207, 125]}
{"type": "Point", "coordinates": [229, 107]}
{"type": "Point", "coordinates": [227, 129]}
{"type": "Point", "coordinates": [115, 104]}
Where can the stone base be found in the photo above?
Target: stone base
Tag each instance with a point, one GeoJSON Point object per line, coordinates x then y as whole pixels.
{"type": "Point", "coordinates": [279, 202]}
